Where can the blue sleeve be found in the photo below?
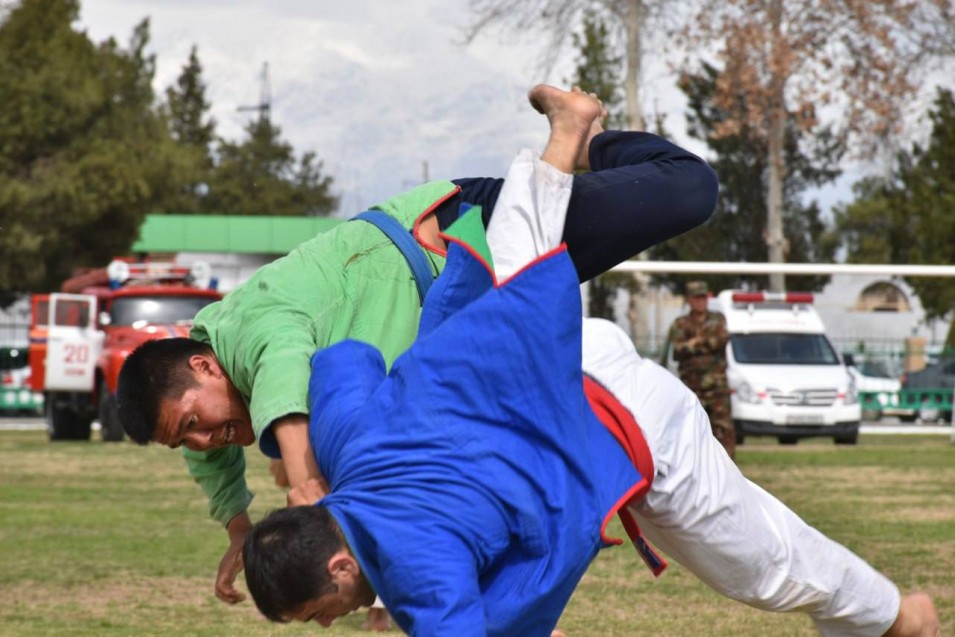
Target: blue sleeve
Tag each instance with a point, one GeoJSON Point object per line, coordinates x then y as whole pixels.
{"type": "Point", "coordinates": [642, 190]}
{"type": "Point", "coordinates": [344, 375]}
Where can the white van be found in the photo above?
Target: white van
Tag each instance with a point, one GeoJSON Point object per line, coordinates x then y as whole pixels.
{"type": "Point", "coordinates": [785, 377]}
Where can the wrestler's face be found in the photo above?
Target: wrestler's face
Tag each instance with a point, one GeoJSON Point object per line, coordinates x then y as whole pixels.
{"type": "Point", "coordinates": [352, 592]}
{"type": "Point", "coordinates": [210, 415]}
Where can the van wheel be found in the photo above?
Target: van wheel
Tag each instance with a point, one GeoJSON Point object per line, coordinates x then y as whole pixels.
{"type": "Point", "coordinates": [849, 437]}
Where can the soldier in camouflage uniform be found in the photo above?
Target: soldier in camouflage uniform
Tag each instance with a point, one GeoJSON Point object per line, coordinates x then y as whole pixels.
{"type": "Point", "coordinates": [699, 347]}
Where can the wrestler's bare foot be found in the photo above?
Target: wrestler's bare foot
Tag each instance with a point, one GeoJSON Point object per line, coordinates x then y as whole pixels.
{"type": "Point", "coordinates": [378, 620]}
{"type": "Point", "coordinates": [571, 115]}
{"type": "Point", "coordinates": [917, 618]}
{"type": "Point", "coordinates": [557, 633]}
{"type": "Point", "coordinates": [583, 158]}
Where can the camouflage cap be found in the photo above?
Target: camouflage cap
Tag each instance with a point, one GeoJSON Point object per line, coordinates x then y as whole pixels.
{"type": "Point", "coordinates": [697, 288]}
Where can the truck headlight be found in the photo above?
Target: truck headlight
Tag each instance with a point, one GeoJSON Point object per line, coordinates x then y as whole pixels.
{"type": "Point", "coordinates": [745, 393]}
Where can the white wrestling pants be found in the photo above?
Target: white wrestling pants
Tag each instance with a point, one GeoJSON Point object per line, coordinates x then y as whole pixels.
{"type": "Point", "coordinates": [700, 510]}
{"type": "Point", "coordinates": [704, 513]}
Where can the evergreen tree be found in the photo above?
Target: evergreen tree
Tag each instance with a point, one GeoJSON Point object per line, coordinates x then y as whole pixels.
{"type": "Point", "coordinates": [597, 69]}
{"type": "Point", "coordinates": [261, 177]}
{"type": "Point", "coordinates": [193, 131]}
{"type": "Point", "coordinates": [188, 109]}
{"type": "Point", "coordinates": [737, 229]}
{"type": "Point", "coordinates": [77, 140]}
{"type": "Point", "coordinates": [908, 217]}
{"type": "Point", "coordinates": [86, 151]}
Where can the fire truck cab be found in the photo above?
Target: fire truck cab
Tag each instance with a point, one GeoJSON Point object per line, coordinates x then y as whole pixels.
{"type": "Point", "coordinates": [80, 337]}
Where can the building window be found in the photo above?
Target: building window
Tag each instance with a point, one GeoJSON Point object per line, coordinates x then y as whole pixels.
{"type": "Point", "coordinates": [882, 297]}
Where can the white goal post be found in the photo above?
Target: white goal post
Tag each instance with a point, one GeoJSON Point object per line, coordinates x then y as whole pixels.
{"type": "Point", "coordinates": [722, 267]}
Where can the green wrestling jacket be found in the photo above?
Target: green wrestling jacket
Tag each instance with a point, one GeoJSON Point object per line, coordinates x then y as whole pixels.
{"type": "Point", "coordinates": [349, 282]}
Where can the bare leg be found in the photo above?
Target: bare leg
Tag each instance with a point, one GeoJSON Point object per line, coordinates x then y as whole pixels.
{"type": "Point", "coordinates": [572, 116]}
{"type": "Point", "coordinates": [917, 618]}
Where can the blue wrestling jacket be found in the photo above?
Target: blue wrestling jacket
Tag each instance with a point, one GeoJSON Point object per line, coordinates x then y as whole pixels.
{"type": "Point", "coordinates": [473, 482]}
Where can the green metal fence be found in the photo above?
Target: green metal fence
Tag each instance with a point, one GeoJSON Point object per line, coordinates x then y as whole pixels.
{"type": "Point", "coordinates": [20, 400]}
{"type": "Point", "coordinates": [910, 404]}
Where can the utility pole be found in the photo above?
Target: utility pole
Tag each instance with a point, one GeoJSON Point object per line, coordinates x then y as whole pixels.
{"type": "Point", "coordinates": [264, 107]}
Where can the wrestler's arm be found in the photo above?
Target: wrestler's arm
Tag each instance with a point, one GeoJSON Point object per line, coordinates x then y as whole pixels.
{"type": "Point", "coordinates": [221, 475]}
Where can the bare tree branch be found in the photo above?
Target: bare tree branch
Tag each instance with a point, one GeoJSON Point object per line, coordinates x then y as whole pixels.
{"type": "Point", "coordinates": [629, 21]}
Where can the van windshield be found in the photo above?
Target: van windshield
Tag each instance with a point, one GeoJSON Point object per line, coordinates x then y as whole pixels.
{"type": "Point", "coordinates": [783, 349]}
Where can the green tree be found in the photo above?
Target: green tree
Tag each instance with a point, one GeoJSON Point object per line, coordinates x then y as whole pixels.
{"type": "Point", "coordinates": [597, 69]}
{"type": "Point", "coordinates": [77, 142]}
{"type": "Point", "coordinates": [908, 216]}
{"type": "Point", "coordinates": [188, 109]}
{"type": "Point", "coordinates": [261, 176]}
{"type": "Point", "coordinates": [736, 230]}
{"type": "Point", "coordinates": [193, 131]}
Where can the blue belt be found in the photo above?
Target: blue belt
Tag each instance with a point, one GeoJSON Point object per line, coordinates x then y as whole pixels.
{"type": "Point", "coordinates": [406, 243]}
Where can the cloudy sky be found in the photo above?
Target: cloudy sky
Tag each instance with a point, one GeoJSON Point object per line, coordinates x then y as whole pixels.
{"type": "Point", "coordinates": [382, 90]}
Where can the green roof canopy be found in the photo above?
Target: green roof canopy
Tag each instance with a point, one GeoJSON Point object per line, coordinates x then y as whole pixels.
{"type": "Point", "coordinates": [225, 233]}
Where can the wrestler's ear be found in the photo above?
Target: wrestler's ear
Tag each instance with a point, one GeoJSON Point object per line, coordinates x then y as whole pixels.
{"type": "Point", "coordinates": [205, 364]}
{"type": "Point", "coordinates": [342, 565]}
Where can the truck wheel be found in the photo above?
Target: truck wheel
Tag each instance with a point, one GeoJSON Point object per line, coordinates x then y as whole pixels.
{"type": "Point", "coordinates": [871, 415]}
{"type": "Point", "coordinates": [788, 440]}
{"type": "Point", "coordinates": [64, 423]}
{"type": "Point", "coordinates": [111, 429]}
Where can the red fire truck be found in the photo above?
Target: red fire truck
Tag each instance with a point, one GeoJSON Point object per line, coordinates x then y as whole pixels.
{"type": "Point", "coordinates": [80, 336]}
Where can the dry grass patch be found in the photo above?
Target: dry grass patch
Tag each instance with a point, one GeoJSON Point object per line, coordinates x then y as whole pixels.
{"type": "Point", "coordinates": [109, 594]}
{"type": "Point", "coordinates": [114, 540]}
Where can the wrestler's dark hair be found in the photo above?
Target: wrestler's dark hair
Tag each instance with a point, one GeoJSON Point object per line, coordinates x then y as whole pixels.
{"type": "Point", "coordinates": [154, 371]}
{"type": "Point", "coordinates": [286, 557]}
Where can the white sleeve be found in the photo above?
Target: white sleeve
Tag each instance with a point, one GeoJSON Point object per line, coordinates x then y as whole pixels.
{"type": "Point", "coordinates": [528, 217]}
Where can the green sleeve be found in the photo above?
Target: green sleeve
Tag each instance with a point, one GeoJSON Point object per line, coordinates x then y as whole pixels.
{"type": "Point", "coordinates": [221, 474]}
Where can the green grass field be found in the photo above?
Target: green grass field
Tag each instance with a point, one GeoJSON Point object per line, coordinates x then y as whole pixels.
{"type": "Point", "coordinates": [100, 539]}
